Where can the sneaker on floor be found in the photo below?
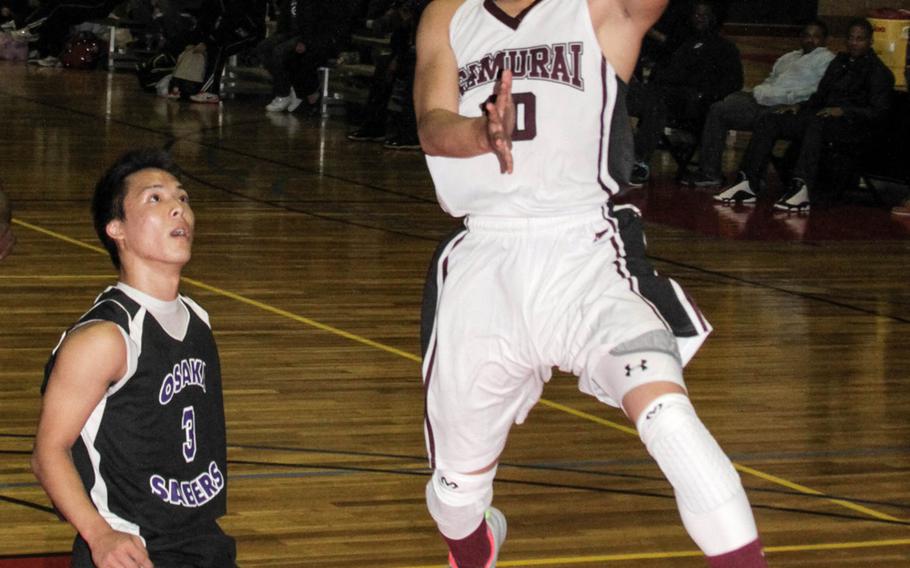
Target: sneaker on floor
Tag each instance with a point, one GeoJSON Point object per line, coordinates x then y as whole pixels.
{"type": "Point", "coordinates": [24, 34]}
{"type": "Point", "coordinates": [796, 198]}
{"type": "Point", "coordinates": [737, 193]}
{"type": "Point", "coordinates": [295, 102]}
{"type": "Point", "coordinates": [207, 98]}
{"type": "Point", "coordinates": [701, 179]}
{"type": "Point", "coordinates": [402, 143]}
{"type": "Point", "coordinates": [902, 209]}
{"type": "Point", "coordinates": [49, 61]}
{"type": "Point", "coordinates": [641, 172]}
{"type": "Point", "coordinates": [367, 133]}
{"type": "Point", "coordinates": [496, 533]}
{"type": "Point", "coordinates": [279, 104]}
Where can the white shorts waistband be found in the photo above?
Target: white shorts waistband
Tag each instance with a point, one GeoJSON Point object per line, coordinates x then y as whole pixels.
{"type": "Point", "coordinates": [495, 224]}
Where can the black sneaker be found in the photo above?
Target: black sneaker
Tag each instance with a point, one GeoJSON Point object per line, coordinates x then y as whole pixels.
{"type": "Point", "coordinates": [641, 173]}
{"type": "Point", "coordinates": [796, 198]}
{"type": "Point", "coordinates": [701, 179]}
{"type": "Point", "coordinates": [402, 143]}
{"type": "Point", "coordinates": [367, 134]}
{"type": "Point", "coordinates": [737, 193]}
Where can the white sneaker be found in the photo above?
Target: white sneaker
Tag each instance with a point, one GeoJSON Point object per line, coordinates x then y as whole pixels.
{"type": "Point", "coordinates": [295, 102]}
{"type": "Point", "coordinates": [206, 98]}
{"type": "Point", "coordinates": [496, 532]}
{"type": "Point", "coordinates": [49, 61]}
{"type": "Point", "coordinates": [739, 193]}
{"type": "Point", "coordinates": [278, 104]}
{"type": "Point", "coordinates": [797, 199]}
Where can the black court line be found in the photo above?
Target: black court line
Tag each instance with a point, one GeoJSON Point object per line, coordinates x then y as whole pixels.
{"type": "Point", "coordinates": [171, 140]}
{"type": "Point", "coordinates": [803, 295]}
{"type": "Point", "coordinates": [575, 487]}
{"type": "Point", "coordinates": [28, 504]}
{"type": "Point", "coordinates": [564, 468]}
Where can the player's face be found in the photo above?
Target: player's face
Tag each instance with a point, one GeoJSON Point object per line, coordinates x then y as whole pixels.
{"type": "Point", "coordinates": [158, 222]}
{"type": "Point", "coordinates": [858, 42]}
{"type": "Point", "coordinates": [702, 18]}
{"type": "Point", "coordinates": [811, 38]}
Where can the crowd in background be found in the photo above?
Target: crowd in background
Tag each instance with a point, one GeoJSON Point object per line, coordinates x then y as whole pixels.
{"type": "Point", "coordinates": [686, 94]}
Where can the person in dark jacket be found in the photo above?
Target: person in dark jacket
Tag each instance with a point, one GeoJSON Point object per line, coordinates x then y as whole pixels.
{"type": "Point", "coordinates": [703, 70]}
{"type": "Point", "coordinates": [309, 33]}
{"type": "Point", "coordinates": [226, 28]}
{"type": "Point", "coordinates": [853, 98]}
{"type": "Point", "coordinates": [401, 20]}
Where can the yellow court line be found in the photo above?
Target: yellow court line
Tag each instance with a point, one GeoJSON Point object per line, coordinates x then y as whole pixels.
{"type": "Point", "coordinates": [562, 561]}
{"type": "Point", "coordinates": [57, 276]}
{"type": "Point", "coordinates": [389, 349]}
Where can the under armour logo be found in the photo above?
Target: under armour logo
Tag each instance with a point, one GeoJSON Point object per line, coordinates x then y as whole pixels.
{"type": "Point", "coordinates": [447, 483]}
{"type": "Point", "coordinates": [643, 367]}
{"type": "Point", "coordinates": [653, 412]}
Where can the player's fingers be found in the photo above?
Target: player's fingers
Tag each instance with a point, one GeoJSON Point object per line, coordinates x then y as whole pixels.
{"type": "Point", "coordinates": [138, 553]}
{"type": "Point", "coordinates": [505, 82]}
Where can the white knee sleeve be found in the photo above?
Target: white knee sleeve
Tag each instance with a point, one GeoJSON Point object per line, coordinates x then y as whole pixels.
{"type": "Point", "coordinates": [457, 501]}
{"type": "Point", "coordinates": [709, 493]}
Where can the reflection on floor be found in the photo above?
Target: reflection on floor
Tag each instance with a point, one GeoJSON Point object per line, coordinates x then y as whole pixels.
{"type": "Point", "coordinates": [856, 217]}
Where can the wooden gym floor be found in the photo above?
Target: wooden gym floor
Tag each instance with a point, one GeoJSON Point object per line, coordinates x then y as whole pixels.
{"type": "Point", "coordinates": [310, 257]}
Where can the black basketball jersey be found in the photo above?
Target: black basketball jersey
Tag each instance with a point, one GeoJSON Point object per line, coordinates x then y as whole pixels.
{"type": "Point", "coordinates": [152, 454]}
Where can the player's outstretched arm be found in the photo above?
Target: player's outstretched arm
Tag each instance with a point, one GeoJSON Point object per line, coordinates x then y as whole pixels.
{"type": "Point", "coordinates": [620, 26]}
{"type": "Point", "coordinates": [90, 359]}
{"type": "Point", "coordinates": [444, 132]}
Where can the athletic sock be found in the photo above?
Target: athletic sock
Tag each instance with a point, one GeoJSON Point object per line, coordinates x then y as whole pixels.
{"type": "Point", "coordinates": [748, 556]}
{"type": "Point", "coordinates": [472, 551]}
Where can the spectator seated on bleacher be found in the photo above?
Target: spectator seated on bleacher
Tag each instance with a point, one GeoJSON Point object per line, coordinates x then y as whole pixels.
{"type": "Point", "coordinates": [704, 69]}
{"type": "Point", "coordinates": [308, 34]}
{"type": "Point", "coordinates": [12, 11]}
{"type": "Point", "coordinates": [400, 131]}
{"type": "Point", "coordinates": [852, 100]}
{"type": "Point", "coordinates": [793, 79]}
{"type": "Point", "coordinates": [229, 27]}
{"type": "Point", "coordinates": [51, 22]}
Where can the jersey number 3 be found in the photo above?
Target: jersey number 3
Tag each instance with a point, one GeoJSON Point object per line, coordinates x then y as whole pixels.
{"type": "Point", "coordinates": [188, 423]}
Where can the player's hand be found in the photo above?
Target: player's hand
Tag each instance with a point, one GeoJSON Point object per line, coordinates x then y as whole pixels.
{"type": "Point", "coordinates": [7, 239]}
{"type": "Point", "coordinates": [501, 121]}
{"type": "Point", "coordinates": [117, 549]}
{"type": "Point", "coordinates": [787, 109]}
{"type": "Point", "coordinates": [832, 112]}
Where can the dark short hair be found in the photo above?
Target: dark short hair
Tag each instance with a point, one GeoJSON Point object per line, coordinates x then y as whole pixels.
{"type": "Point", "coordinates": [107, 201]}
{"type": "Point", "coordinates": [861, 23]}
{"type": "Point", "coordinates": [818, 24]}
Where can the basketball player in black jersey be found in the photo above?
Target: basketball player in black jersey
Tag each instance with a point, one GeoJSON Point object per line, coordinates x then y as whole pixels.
{"type": "Point", "coordinates": [131, 440]}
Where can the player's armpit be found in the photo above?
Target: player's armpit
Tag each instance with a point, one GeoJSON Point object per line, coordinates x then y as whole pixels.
{"type": "Point", "coordinates": [442, 131]}
{"type": "Point", "coordinates": [89, 360]}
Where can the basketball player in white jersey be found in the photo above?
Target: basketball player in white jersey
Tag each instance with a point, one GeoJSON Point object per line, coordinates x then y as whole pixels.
{"type": "Point", "coordinates": [516, 102]}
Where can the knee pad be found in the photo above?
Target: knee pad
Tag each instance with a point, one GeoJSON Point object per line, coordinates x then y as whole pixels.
{"type": "Point", "coordinates": [457, 501]}
{"type": "Point", "coordinates": [709, 493]}
{"type": "Point", "coordinates": [690, 458]}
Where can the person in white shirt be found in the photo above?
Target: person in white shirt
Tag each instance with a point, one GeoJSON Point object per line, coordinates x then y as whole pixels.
{"type": "Point", "coordinates": [793, 79]}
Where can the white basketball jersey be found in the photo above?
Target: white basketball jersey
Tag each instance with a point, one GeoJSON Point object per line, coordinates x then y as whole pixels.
{"type": "Point", "coordinates": [565, 93]}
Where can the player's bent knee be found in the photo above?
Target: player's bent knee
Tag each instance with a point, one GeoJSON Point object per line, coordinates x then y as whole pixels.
{"type": "Point", "coordinates": [693, 462]}
{"type": "Point", "coordinates": [710, 495]}
{"type": "Point", "coordinates": [457, 501]}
